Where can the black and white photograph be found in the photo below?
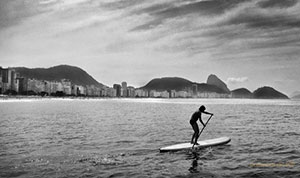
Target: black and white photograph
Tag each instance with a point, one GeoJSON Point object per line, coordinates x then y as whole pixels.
{"type": "Point", "coordinates": [149, 88]}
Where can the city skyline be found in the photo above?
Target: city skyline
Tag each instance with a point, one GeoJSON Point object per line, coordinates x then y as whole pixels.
{"type": "Point", "coordinates": [12, 83]}
{"type": "Point", "coordinates": [246, 43]}
{"type": "Point", "coordinates": [115, 83]}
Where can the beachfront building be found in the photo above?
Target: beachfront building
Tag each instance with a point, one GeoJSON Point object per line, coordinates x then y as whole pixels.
{"type": "Point", "coordinates": [75, 90]}
{"type": "Point", "coordinates": [36, 86]}
{"type": "Point", "coordinates": [141, 93]}
{"type": "Point", "coordinates": [14, 82]}
{"type": "Point", "coordinates": [93, 90]}
{"type": "Point", "coordinates": [66, 86]}
{"type": "Point", "coordinates": [155, 94]}
{"type": "Point", "coordinates": [47, 88]}
{"type": "Point", "coordinates": [195, 90]}
{"type": "Point", "coordinates": [82, 90]}
{"type": "Point", "coordinates": [103, 91]}
{"type": "Point", "coordinates": [97, 91]}
{"type": "Point", "coordinates": [111, 92]}
{"type": "Point", "coordinates": [6, 79]}
{"type": "Point", "coordinates": [1, 83]}
{"type": "Point", "coordinates": [131, 92]}
{"type": "Point", "coordinates": [173, 94]}
{"type": "Point", "coordinates": [22, 85]}
{"type": "Point", "coordinates": [55, 87]}
{"type": "Point", "coordinates": [181, 94]}
{"type": "Point", "coordinates": [124, 89]}
{"type": "Point", "coordinates": [165, 94]}
{"type": "Point", "coordinates": [118, 88]}
{"type": "Point", "coordinates": [9, 82]}
{"type": "Point", "coordinates": [78, 90]}
{"type": "Point", "coordinates": [213, 95]}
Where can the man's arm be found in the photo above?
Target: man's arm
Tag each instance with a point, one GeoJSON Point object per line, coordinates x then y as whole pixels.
{"type": "Point", "coordinates": [208, 113]}
{"type": "Point", "coordinates": [201, 122]}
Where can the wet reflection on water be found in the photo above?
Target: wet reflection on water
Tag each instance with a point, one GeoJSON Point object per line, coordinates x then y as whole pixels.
{"type": "Point", "coordinates": [195, 156]}
{"type": "Point", "coordinates": [194, 167]}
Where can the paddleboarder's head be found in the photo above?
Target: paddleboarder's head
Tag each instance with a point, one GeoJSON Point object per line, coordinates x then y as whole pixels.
{"type": "Point", "coordinates": [202, 108]}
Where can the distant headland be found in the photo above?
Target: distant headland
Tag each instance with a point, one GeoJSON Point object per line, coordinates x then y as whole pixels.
{"type": "Point", "coordinates": [65, 80]}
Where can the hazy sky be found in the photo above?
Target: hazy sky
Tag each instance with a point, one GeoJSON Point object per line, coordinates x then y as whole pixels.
{"type": "Point", "coordinates": [246, 43]}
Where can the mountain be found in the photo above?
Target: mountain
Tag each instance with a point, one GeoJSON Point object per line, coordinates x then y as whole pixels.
{"type": "Point", "coordinates": [241, 93]}
{"type": "Point", "coordinates": [168, 83]}
{"type": "Point", "coordinates": [214, 80]}
{"type": "Point", "coordinates": [176, 83]}
{"type": "Point", "coordinates": [74, 74]}
{"type": "Point", "coordinates": [268, 93]}
{"type": "Point", "coordinates": [296, 93]}
{"type": "Point", "coordinates": [296, 97]}
{"type": "Point", "coordinates": [203, 87]}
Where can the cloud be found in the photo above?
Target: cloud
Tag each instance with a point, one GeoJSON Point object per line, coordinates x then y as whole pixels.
{"type": "Point", "coordinates": [276, 3]}
{"type": "Point", "coordinates": [65, 4]}
{"type": "Point", "coordinates": [48, 1]}
{"type": "Point", "coordinates": [219, 25]}
{"type": "Point", "coordinates": [166, 11]}
{"type": "Point", "coordinates": [13, 12]}
{"type": "Point", "coordinates": [263, 19]}
{"type": "Point", "coordinates": [121, 4]}
{"type": "Point", "coordinates": [242, 29]}
{"type": "Point", "coordinates": [238, 80]}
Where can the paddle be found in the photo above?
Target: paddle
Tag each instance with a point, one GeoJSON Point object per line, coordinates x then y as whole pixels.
{"type": "Point", "coordinates": [202, 129]}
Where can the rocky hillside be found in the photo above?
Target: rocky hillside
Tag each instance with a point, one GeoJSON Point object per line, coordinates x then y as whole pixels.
{"type": "Point", "coordinates": [241, 93]}
{"type": "Point", "coordinates": [268, 93]}
{"type": "Point", "coordinates": [176, 83]}
{"type": "Point", "coordinates": [75, 74]}
{"type": "Point", "coordinates": [214, 80]}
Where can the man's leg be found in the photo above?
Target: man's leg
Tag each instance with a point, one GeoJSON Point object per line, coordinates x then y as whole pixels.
{"type": "Point", "coordinates": [196, 139]}
{"type": "Point", "coordinates": [196, 134]}
{"type": "Point", "coordinates": [192, 139]}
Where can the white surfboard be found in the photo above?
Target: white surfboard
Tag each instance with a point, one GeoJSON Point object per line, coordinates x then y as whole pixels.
{"type": "Point", "coordinates": [203, 143]}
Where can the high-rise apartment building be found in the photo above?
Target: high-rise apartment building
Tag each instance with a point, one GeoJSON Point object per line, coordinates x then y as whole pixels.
{"type": "Point", "coordinates": [22, 85]}
{"type": "Point", "coordinates": [1, 83]}
{"type": "Point", "coordinates": [195, 89]}
{"type": "Point", "coordinates": [124, 87]}
{"type": "Point", "coordinates": [8, 80]}
{"type": "Point", "coordinates": [117, 87]}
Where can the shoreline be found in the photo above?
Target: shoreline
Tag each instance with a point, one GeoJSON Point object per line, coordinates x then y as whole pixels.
{"type": "Point", "coordinates": [20, 97]}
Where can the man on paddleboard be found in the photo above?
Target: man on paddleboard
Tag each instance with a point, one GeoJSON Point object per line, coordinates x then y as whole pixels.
{"type": "Point", "coordinates": [193, 122]}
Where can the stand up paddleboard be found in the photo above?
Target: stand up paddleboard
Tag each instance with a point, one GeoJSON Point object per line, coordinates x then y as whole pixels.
{"type": "Point", "coordinates": [202, 144]}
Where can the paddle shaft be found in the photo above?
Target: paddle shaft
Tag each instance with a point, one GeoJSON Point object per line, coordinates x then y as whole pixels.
{"type": "Point", "coordinates": [203, 129]}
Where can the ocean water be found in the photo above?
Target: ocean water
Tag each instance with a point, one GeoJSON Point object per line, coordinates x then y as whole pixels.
{"type": "Point", "coordinates": [121, 138]}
